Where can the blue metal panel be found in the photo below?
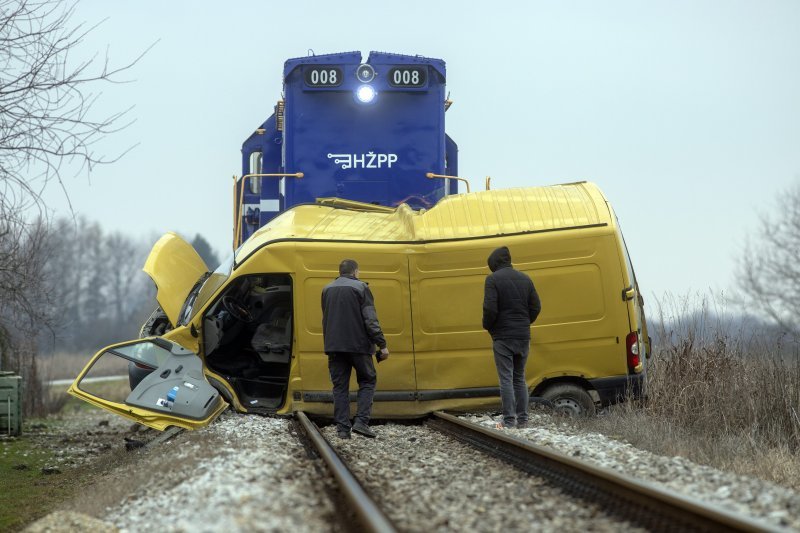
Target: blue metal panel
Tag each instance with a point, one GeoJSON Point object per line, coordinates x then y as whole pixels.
{"type": "Point", "coordinates": [377, 152]}
{"type": "Point", "coordinates": [324, 59]}
{"type": "Point", "coordinates": [451, 163]}
{"type": "Point", "coordinates": [260, 207]}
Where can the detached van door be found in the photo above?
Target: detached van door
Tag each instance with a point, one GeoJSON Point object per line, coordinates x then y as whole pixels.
{"type": "Point", "coordinates": [152, 381]}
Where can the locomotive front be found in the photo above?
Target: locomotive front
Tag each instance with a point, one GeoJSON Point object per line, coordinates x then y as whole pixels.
{"type": "Point", "coordinates": [368, 131]}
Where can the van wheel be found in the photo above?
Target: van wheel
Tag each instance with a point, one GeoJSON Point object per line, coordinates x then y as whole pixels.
{"type": "Point", "coordinates": [570, 400]}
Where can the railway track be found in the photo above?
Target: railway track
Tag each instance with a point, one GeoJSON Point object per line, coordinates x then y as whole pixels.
{"type": "Point", "coordinates": [362, 505]}
{"type": "Point", "coordinates": [635, 502]}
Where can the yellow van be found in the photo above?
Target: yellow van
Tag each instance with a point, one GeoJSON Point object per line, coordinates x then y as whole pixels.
{"type": "Point", "coordinates": [250, 333]}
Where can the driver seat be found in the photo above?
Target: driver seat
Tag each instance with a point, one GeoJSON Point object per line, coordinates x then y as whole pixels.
{"type": "Point", "coordinates": [272, 338]}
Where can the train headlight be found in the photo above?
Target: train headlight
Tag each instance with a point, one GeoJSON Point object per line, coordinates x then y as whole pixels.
{"type": "Point", "coordinates": [365, 94]}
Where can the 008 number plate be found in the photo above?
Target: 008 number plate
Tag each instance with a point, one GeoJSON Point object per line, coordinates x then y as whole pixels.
{"type": "Point", "coordinates": [323, 76]}
{"type": "Point", "coordinates": [407, 77]}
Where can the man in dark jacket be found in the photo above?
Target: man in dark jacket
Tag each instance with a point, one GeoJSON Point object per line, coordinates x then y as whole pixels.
{"type": "Point", "coordinates": [351, 330]}
{"type": "Point", "coordinates": [510, 306]}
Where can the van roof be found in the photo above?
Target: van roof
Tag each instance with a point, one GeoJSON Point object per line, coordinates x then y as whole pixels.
{"type": "Point", "coordinates": [459, 216]}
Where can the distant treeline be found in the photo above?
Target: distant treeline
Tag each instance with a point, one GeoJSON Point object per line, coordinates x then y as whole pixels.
{"type": "Point", "coordinates": [97, 291]}
{"type": "Point", "coordinates": [704, 320]}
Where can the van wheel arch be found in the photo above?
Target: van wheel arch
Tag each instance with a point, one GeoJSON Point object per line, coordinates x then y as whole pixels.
{"type": "Point", "coordinates": [568, 398]}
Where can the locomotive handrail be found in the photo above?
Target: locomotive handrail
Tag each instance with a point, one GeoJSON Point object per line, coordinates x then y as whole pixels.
{"type": "Point", "coordinates": [236, 208]}
{"type": "Point", "coordinates": [431, 175]}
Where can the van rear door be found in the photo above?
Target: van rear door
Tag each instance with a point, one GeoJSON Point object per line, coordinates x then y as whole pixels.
{"type": "Point", "coordinates": [635, 303]}
{"type": "Point", "coordinates": [151, 381]}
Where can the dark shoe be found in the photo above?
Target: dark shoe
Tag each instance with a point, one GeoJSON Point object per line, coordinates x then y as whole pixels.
{"type": "Point", "coordinates": [363, 429]}
{"type": "Point", "coordinates": [343, 434]}
{"type": "Point", "coordinates": [522, 425]}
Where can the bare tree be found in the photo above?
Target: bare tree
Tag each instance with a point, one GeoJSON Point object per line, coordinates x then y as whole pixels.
{"type": "Point", "coordinates": [23, 305]}
{"type": "Point", "coordinates": [769, 270]}
{"type": "Point", "coordinates": [95, 284]}
{"type": "Point", "coordinates": [47, 124]}
{"type": "Point", "coordinates": [126, 281]}
{"type": "Point", "coordinates": [46, 100]}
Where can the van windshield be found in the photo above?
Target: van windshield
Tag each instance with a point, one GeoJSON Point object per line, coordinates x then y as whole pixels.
{"type": "Point", "coordinates": [200, 295]}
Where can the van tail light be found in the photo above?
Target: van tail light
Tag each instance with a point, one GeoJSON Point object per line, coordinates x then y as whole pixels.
{"type": "Point", "coordinates": [632, 350]}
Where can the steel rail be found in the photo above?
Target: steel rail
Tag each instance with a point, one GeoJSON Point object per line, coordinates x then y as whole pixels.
{"type": "Point", "coordinates": [644, 504]}
{"type": "Point", "coordinates": [368, 513]}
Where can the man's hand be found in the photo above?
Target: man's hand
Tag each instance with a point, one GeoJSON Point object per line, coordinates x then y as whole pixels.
{"type": "Point", "coordinates": [384, 354]}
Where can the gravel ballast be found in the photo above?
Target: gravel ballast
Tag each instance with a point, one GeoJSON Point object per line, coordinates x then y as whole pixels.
{"type": "Point", "coordinates": [251, 473]}
{"type": "Point", "coordinates": [426, 481]}
{"type": "Point", "coordinates": [748, 496]}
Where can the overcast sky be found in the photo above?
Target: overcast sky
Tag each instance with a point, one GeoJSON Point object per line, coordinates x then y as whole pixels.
{"type": "Point", "coordinates": [685, 113]}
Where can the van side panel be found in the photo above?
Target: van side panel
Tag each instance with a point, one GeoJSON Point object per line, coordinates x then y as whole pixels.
{"type": "Point", "coordinates": [385, 268]}
{"type": "Point", "coordinates": [429, 299]}
{"type": "Point", "coordinates": [452, 350]}
{"type": "Point", "coordinates": [580, 331]}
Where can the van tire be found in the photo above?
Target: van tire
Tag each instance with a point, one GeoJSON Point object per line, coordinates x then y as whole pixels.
{"type": "Point", "coordinates": [570, 400]}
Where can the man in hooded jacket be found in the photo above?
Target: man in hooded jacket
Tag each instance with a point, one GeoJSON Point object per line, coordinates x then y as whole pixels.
{"type": "Point", "coordinates": [510, 305]}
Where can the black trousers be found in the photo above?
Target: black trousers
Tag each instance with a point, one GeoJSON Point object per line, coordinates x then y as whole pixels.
{"type": "Point", "coordinates": [341, 365]}
{"type": "Point", "coordinates": [510, 357]}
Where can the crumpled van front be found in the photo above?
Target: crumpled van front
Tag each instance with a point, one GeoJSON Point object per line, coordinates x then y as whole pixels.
{"type": "Point", "coordinates": [175, 267]}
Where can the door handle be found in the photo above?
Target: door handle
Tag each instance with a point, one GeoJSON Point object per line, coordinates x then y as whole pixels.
{"type": "Point", "coordinates": [628, 293]}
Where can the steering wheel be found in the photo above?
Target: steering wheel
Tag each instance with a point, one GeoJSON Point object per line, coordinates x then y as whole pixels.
{"type": "Point", "coordinates": [237, 310]}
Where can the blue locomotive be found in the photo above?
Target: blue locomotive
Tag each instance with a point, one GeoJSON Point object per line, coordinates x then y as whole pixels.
{"type": "Point", "coordinates": [370, 131]}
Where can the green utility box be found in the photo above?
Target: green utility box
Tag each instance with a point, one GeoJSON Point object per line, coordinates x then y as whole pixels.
{"type": "Point", "coordinates": [10, 404]}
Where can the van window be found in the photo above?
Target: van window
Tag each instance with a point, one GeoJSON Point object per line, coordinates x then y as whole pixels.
{"type": "Point", "coordinates": [255, 168]}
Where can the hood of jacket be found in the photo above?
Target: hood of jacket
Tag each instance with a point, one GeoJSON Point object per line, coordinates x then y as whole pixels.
{"type": "Point", "coordinates": [500, 258]}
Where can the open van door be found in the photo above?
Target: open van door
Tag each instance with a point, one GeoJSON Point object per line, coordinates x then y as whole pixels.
{"type": "Point", "coordinates": [167, 388]}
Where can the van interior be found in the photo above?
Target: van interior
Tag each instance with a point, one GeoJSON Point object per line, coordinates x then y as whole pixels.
{"type": "Point", "coordinates": [247, 333]}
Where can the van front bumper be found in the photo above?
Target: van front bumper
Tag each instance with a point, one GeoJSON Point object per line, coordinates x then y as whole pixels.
{"type": "Point", "coordinates": [615, 389]}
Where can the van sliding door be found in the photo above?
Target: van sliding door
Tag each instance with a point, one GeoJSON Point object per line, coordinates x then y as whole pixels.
{"type": "Point", "coordinates": [452, 350]}
{"type": "Point", "coordinates": [386, 271]}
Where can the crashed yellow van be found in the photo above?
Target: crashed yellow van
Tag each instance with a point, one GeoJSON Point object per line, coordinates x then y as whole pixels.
{"type": "Point", "coordinates": [249, 334]}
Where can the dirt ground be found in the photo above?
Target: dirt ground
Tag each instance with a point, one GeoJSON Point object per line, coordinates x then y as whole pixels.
{"type": "Point", "coordinates": [57, 462]}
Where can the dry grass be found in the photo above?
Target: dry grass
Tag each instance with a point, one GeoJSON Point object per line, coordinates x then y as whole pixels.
{"type": "Point", "coordinates": [39, 398]}
{"type": "Point", "coordinates": [720, 395]}
{"type": "Point", "coordinates": [56, 367]}
{"type": "Point", "coordinates": [62, 365]}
